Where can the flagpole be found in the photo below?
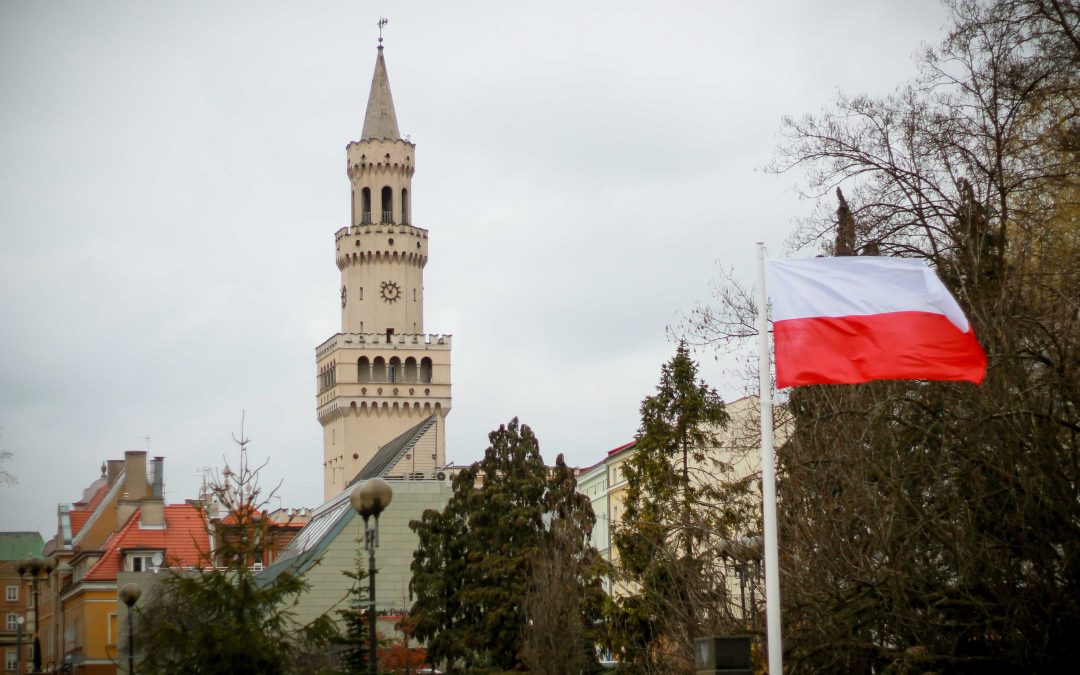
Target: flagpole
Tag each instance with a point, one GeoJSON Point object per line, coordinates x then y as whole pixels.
{"type": "Point", "coordinates": [768, 474]}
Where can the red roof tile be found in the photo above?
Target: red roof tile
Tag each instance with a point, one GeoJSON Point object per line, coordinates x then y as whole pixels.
{"type": "Point", "coordinates": [184, 540]}
{"type": "Point", "coordinates": [78, 519]}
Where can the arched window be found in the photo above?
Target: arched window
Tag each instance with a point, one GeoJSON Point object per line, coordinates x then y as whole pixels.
{"type": "Point", "coordinates": [404, 206]}
{"type": "Point", "coordinates": [410, 370]}
{"type": "Point", "coordinates": [393, 370]}
{"type": "Point", "coordinates": [387, 204]}
{"type": "Point", "coordinates": [378, 370]}
{"type": "Point", "coordinates": [363, 370]}
{"type": "Point", "coordinates": [365, 206]}
{"type": "Point", "coordinates": [425, 370]}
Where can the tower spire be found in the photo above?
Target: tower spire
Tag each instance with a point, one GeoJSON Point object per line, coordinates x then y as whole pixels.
{"type": "Point", "coordinates": [381, 120]}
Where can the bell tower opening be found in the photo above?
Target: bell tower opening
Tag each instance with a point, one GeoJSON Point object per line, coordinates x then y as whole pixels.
{"type": "Point", "coordinates": [365, 206]}
{"type": "Point", "coordinates": [387, 204]}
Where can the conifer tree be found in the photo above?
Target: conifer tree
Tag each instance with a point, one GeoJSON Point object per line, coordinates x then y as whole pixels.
{"type": "Point", "coordinates": [681, 505]}
{"type": "Point", "coordinates": [473, 568]}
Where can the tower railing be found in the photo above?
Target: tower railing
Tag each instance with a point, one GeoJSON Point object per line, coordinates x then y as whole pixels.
{"type": "Point", "coordinates": [387, 216]}
{"type": "Point", "coordinates": [365, 218]}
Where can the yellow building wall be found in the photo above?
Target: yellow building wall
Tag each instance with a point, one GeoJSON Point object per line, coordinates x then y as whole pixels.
{"type": "Point", "coordinates": [91, 617]}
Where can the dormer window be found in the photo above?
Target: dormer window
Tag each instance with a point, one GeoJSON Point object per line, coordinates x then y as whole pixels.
{"type": "Point", "coordinates": [143, 561]}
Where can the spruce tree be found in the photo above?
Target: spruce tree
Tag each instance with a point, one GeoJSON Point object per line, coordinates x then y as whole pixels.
{"type": "Point", "coordinates": [682, 504]}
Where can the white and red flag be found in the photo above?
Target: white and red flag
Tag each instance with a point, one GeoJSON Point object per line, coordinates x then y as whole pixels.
{"type": "Point", "coordinates": [854, 319]}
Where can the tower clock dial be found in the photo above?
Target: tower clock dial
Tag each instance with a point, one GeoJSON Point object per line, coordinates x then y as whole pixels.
{"type": "Point", "coordinates": [391, 291]}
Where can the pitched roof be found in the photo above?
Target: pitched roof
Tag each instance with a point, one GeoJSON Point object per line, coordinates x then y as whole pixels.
{"type": "Point", "coordinates": [380, 120]}
{"type": "Point", "coordinates": [184, 541]}
{"type": "Point", "coordinates": [391, 453]}
{"type": "Point", "coordinates": [20, 545]}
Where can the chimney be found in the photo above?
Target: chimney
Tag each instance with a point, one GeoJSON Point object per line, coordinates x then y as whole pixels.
{"type": "Point", "coordinates": [113, 469]}
{"type": "Point", "coordinates": [135, 484]}
{"type": "Point", "coordinates": [152, 513]}
{"type": "Point", "coordinates": [157, 477]}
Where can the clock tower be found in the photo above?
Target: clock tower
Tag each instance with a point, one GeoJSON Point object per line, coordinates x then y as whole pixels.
{"type": "Point", "coordinates": [381, 376]}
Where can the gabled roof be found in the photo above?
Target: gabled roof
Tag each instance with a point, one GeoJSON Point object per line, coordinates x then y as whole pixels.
{"type": "Point", "coordinates": [184, 540]}
{"type": "Point", "coordinates": [20, 545]}
{"type": "Point", "coordinates": [381, 120]}
{"type": "Point", "coordinates": [392, 453]}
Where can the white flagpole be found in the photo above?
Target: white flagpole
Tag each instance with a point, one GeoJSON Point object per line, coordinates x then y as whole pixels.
{"type": "Point", "coordinates": [768, 474]}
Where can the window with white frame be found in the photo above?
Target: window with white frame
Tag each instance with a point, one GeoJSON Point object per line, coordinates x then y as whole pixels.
{"type": "Point", "coordinates": [142, 561]}
{"type": "Point", "coordinates": [12, 623]}
{"type": "Point", "coordinates": [11, 659]}
{"type": "Point", "coordinates": [12, 593]}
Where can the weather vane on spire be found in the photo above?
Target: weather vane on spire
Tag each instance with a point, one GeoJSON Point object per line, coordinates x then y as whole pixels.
{"type": "Point", "coordinates": [382, 22]}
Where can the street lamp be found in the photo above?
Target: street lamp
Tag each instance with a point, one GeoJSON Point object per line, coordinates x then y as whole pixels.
{"type": "Point", "coordinates": [32, 567]}
{"type": "Point", "coordinates": [370, 499]}
{"type": "Point", "coordinates": [130, 593]}
{"type": "Point", "coordinates": [18, 643]}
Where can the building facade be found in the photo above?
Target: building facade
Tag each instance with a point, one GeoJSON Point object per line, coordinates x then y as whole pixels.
{"type": "Point", "coordinates": [16, 603]}
{"type": "Point", "coordinates": [382, 374]}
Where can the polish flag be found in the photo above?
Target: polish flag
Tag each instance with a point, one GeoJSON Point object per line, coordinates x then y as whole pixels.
{"type": "Point", "coordinates": [855, 319]}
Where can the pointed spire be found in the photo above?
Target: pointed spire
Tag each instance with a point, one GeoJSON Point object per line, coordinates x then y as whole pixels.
{"type": "Point", "coordinates": [380, 120]}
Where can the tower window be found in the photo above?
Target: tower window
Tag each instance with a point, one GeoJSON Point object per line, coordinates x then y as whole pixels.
{"type": "Point", "coordinates": [404, 206]}
{"type": "Point", "coordinates": [378, 370]}
{"type": "Point", "coordinates": [387, 205]}
{"type": "Point", "coordinates": [363, 370]}
{"type": "Point", "coordinates": [365, 206]}
{"type": "Point", "coordinates": [425, 370]}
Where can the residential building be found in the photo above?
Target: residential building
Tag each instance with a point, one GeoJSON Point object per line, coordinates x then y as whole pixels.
{"type": "Point", "coordinates": [16, 603]}
{"type": "Point", "coordinates": [120, 525]}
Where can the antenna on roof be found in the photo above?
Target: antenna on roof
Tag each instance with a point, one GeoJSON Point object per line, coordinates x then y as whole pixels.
{"type": "Point", "coordinates": [382, 22]}
{"type": "Point", "coordinates": [147, 439]}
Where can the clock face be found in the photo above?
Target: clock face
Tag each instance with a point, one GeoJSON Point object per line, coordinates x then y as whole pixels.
{"type": "Point", "coordinates": [391, 291]}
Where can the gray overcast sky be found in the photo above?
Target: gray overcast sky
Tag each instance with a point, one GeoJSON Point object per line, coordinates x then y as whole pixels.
{"type": "Point", "coordinates": [173, 174]}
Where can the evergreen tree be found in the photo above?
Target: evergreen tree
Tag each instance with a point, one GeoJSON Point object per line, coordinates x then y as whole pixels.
{"type": "Point", "coordinates": [473, 568]}
{"type": "Point", "coordinates": [353, 657]}
{"type": "Point", "coordinates": [681, 506]}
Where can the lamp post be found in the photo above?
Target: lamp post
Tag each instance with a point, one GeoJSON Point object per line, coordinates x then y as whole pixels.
{"type": "Point", "coordinates": [370, 499]}
{"type": "Point", "coordinates": [130, 593]}
{"type": "Point", "coordinates": [18, 643]}
{"type": "Point", "coordinates": [33, 567]}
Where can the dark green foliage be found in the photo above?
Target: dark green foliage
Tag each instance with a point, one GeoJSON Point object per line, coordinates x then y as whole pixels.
{"type": "Point", "coordinates": [472, 570]}
{"type": "Point", "coordinates": [354, 643]}
{"type": "Point", "coordinates": [681, 504]}
{"type": "Point", "coordinates": [221, 621]}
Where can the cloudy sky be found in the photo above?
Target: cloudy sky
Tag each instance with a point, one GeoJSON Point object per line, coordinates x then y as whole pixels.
{"type": "Point", "coordinates": [172, 176]}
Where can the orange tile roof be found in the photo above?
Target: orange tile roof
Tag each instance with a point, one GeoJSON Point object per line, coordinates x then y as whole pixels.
{"type": "Point", "coordinates": [78, 519]}
{"type": "Point", "coordinates": [184, 540]}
